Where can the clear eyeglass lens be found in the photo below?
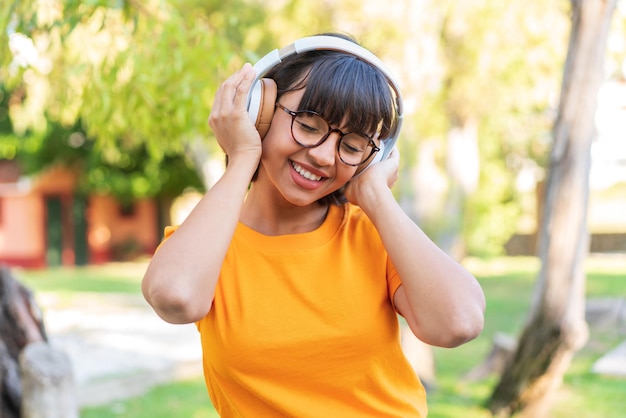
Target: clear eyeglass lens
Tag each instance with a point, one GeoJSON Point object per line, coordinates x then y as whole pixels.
{"type": "Point", "coordinates": [309, 129]}
{"type": "Point", "coordinates": [354, 148]}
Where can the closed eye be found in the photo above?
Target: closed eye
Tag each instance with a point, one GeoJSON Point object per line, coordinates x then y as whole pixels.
{"type": "Point", "coordinates": [351, 149]}
{"type": "Point", "coordinates": [306, 128]}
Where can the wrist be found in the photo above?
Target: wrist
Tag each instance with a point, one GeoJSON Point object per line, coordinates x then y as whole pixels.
{"type": "Point", "coordinates": [244, 157]}
{"type": "Point", "coordinates": [243, 162]}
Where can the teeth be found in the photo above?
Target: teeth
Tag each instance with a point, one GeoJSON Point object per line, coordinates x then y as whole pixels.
{"type": "Point", "coordinates": [306, 174]}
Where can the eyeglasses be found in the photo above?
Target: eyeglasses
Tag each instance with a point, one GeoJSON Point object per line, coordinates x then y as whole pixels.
{"type": "Point", "coordinates": [309, 129]}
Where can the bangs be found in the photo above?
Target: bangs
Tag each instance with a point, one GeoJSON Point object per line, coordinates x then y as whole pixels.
{"type": "Point", "coordinates": [341, 87]}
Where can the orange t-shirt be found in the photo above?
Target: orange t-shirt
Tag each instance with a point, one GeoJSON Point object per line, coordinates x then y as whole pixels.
{"type": "Point", "coordinates": [303, 325]}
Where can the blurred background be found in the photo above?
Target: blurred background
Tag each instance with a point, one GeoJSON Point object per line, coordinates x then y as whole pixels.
{"type": "Point", "coordinates": [104, 107]}
{"type": "Point", "coordinates": [104, 141]}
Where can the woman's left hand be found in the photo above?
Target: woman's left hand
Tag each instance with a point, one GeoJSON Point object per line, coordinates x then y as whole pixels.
{"type": "Point", "coordinates": [366, 185]}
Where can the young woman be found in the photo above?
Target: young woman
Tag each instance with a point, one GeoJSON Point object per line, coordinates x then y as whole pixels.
{"type": "Point", "coordinates": [296, 263]}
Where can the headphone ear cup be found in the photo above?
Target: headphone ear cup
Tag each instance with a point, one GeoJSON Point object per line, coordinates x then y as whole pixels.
{"type": "Point", "coordinates": [262, 104]}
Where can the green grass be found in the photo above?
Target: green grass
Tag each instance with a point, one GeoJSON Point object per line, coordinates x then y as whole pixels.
{"type": "Point", "coordinates": [187, 399]}
{"type": "Point", "coordinates": [508, 284]}
{"type": "Point", "coordinates": [109, 278]}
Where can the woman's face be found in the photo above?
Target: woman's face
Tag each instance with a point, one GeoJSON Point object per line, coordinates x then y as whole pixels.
{"type": "Point", "coordinates": [300, 175]}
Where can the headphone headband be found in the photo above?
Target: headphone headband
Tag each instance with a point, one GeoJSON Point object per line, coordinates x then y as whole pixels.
{"type": "Point", "coordinates": [329, 43]}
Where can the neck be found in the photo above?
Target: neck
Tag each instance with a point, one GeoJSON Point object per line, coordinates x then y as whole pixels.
{"type": "Point", "coordinates": [267, 216]}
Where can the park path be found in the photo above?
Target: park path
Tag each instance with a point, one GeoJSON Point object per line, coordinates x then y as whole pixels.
{"type": "Point", "coordinates": [118, 346]}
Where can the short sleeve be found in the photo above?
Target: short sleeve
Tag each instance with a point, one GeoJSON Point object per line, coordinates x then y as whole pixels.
{"type": "Point", "coordinates": [169, 230]}
{"type": "Point", "coordinates": [393, 280]}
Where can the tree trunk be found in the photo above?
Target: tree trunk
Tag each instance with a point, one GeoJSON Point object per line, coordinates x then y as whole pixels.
{"type": "Point", "coordinates": [557, 328]}
{"type": "Point", "coordinates": [20, 324]}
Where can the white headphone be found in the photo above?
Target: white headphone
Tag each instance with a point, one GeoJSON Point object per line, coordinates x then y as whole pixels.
{"type": "Point", "coordinates": [262, 95]}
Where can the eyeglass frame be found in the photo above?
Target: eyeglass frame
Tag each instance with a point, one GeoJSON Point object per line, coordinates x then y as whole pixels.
{"type": "Point", "coordinates": [293, 115]}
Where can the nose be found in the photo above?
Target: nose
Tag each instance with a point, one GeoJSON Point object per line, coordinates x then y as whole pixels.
{"type": "Point", "coordinates": [325, 153]}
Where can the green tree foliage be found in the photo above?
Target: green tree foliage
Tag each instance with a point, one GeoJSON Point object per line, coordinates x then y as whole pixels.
{"type": "Point", "coordinates": [128, 175]}
{"type": "Point", "coordinates": [120, 89]}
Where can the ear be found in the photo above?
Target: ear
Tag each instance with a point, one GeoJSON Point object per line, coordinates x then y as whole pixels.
{"type": "Point", "coordinates": [262, 104]}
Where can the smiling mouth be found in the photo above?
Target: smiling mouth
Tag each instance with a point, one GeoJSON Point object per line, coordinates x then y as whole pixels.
{"type": "Point", "coordinates": [304, 173]}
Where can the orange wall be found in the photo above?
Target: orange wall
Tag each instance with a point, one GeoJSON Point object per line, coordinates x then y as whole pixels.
{"type": "Point", "coordinates": [109, 231]}
{"type": "Point", "coordinates": [55, 180]}
{"type": "Point", "coordinates": [109, 227]}
{"type": "Point", "coordinates": [22, 227]}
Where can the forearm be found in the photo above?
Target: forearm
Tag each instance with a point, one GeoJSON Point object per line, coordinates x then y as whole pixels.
{"type": "Point", "coordinates": [445, 302]}
{"type": "Point", "coordinates": [181, 278]}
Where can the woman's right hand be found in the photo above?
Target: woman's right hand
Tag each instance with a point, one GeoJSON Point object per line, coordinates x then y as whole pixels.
{"type": "Point", "coordinates": [180, 281]}
{"type": "Point", "coordinates": [234, 130]}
